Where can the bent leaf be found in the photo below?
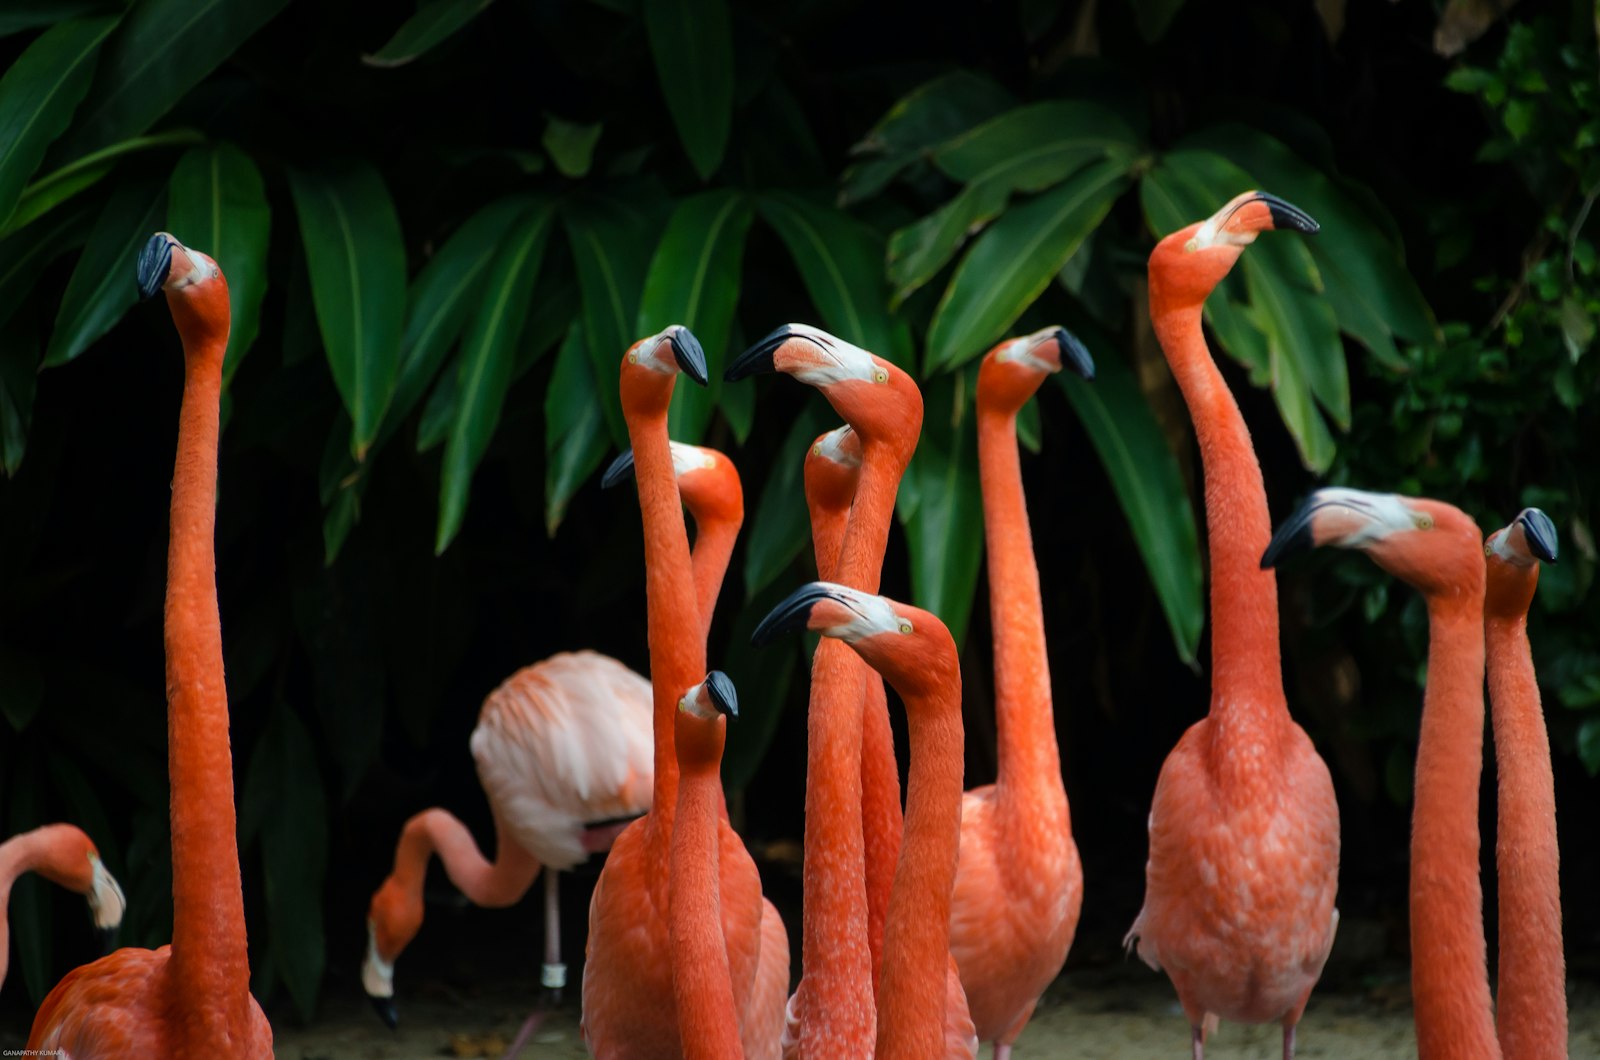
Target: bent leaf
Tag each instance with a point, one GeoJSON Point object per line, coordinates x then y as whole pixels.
{"type": "Point", "coordinates": [692, 43]}
{"type": "Point", "coordinates": [574, 430]}
{"type": "Point", "coordinates": [931, 113]}
{"type": "Point", "coordinates": [432, 24]}
{"type": "Point", "coordinates": [55, 188]}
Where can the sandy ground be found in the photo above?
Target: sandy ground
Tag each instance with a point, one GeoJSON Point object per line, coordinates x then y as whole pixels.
{"type": "Point", "coordinates": [1092, 1014]}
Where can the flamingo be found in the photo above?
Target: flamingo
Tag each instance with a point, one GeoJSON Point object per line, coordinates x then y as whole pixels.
{"type": "Point", "coordinates": [701, 985]}
{"type": "Point", "coordinates": [190, 998]}
{"type": "Point", "coordinates": [1019, 884]}
{"type": "Point", "coordinates": [1532, 1016]}
{"type": "Point", "coordinates": [1244, 829]}
{"type": "Point", "coordinates": [913, 651]}
{"type": "Point", "coordinates": [628, 1006]}
{"type": "Point", "coordinates": [1438, 551]}
{"type": "Point", "coordinates": [62, 854]}
{"type": "Point", "coordinates": [562, 749]}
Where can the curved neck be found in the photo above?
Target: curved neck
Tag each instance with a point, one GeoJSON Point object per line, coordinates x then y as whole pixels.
{"type": "Point", "coordinates": [701, 983]}
{"type": "Point", "coordinates": [1024, 721]}
{"type": "Point", "coordinates": [827, 534]}
{"type": "Point", "coordinates": [917, 936]}
{"type": "Point", "coordinates": [1449, 972]}
{"type": "Point", "coordinates": [1247, 677]}
{"type": "Point", "coordinates": [209, 961]}
{"type": "Point", "coordinates": [33, 851]}
{"type": "Point", "coordinates": [1532, 997]}
{"type": "Point", "coordinates": [713, 548]}
{"type": "Point", "coordinates": [485, 883]}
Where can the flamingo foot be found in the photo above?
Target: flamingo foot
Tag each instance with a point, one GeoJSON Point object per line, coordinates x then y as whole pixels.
{"type": "Point", "coordinates": [529, 1027]}
{"type": "Point", "coordinates": [1199, 1039]}
{"type": "Point", "coordinates": [1002, 1051]}
{"type": "Point", "coordinates": [1288, 1042]}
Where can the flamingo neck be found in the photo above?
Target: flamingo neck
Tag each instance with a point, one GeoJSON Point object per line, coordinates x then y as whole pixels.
{"type": "Point", "coordinates": [484, 883]}
{"type": "Point", "coordinates": [1532, 997]}
{"type": "Point", "coordinates": [713, 548]}
{"type": "Point", "coordinates": [36, 851]}
{"type": "Point", "coordinates": [702, 985]}
{"type": "Point", "coordinates": [1449, 973]}
{"type": "Point", "coordinates": [917, 938]}
{"type": "Point", "coordinates": [1247, 702]}
{"type": "Point", "coordinates": [209, 962]}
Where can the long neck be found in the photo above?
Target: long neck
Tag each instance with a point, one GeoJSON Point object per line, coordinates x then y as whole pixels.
{"type": "Point", "coordinates": [19, 854]}
{"type": "Point", "coordinates": [1532, 998]}
{"type": "Point", "coordinates": [1449, 972]}
{"type": "Point", "coordinates": [1247, 677]}
{"type": "Point", "coordinates": [917, 937]}
{"type": "Point", "coordinates": [1024, 721]}
{"type": "Point", "coordinates": [713, 547]}
{"type": "Point", "coordinates": [677, 643]}
{"type": "Point", "coordinates": [489, 884]}
{"type": "Point", "coordinates": [209, 961]}
{"type": "Point", "coordinates": [701, 983]}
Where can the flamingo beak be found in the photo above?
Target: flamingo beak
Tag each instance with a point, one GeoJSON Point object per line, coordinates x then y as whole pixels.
{"type": "Point", "coordinates": [1540, 532]}
{"type": "Point", "coordinates": [620, 470]}
{"type": "Point", "coordinates": [155, 263]}
{"type": "Point", "coordinates": [1284, 215]}
{"type": "Point", "coordinates": [792, 613]}
{"type": "Point", "coordinates": [107, 937]}
{"type": "Point", "coordinates": [385, 1008]}
{"type": "Point", "coordinates": [758, 359]}
{"type": "Point", "coordinates": [686, 350]}
{"type": "Point", "coordinates": [1074, 354]}
{"type": "Point", "coordinates": [719, 687]}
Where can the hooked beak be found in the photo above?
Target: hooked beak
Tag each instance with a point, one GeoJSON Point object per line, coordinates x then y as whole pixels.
{"type": "Point", "coordinates": [107, 937]}
{"type": "Point", "coordinates": [687, 352]}
{"type": "Point", "coordinates": [1074, 354]}
{"type": "Point", "coordinates": [1540, 532]}
{"type": "Point", "coordinates": [621, 469]}
{"type": "Point", "coordinates": [155, 263]}
{"type": "Point", "coordinates": [758, 359]}
{"type": "Point", "coordinates": [1285, 215]}
{"type": "Point", "coordinates": [792, 612]}
{"type": "Point", "coordinates": [385, 1008]}
{"type": "Point", "coordinates": [1296, 534]}
{"type": "Point", "coordinates": [719, 687]}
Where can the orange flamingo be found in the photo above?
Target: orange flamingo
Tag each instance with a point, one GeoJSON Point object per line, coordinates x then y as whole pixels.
{"type": "Point", "coordinates": [701, 986]}
{"type": "Point", "coordinates": [913, 651]}
{"type": "Point", "coordinates": [852, 783]}
{"type": "Point", "coordinates": [1019, 884]}
{"type": "Point", "coordinates": [62, 854]}
{"type": "Point", "coordinates": [191, 998]}
{"type": "Point", "coordinates": [1438, 551]}
{"type": "Point", "coordinates": [628, 1006]}
{"type": "Point", "coordinates": [1244, 829]}
{"type": "Point", "coordinates": [1532, 1015]}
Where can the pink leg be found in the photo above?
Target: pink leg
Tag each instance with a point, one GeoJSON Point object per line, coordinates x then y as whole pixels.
{"type": "Point", "coordinates": [1199, 1044]}
{"type": "Point", "coordinates": [1288, 1042]}
{"type": "Point", "coordinates": [1002, 1051]}
{"type": "Point", "coordinates": [553, 975]}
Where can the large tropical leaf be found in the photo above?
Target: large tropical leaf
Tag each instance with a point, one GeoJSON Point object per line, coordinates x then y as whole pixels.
{"type": "Point", "coordinates": [102, 286]}
{"type": "Point", "coordinates": [24, 253]}
{"type": "Point", "coordinates": [357, 265]}
{"type": "Point", "coordinates": [692, 43]}
{"type": "Point", "coordinates": [694, 281]}
{"type": "Point", "coordinates": [488, 353]}
{"type": "Point", "coordinates": [780, 527]}
{"type": "Point", "coordinates": [162, 49]}
{"type": "Point", "coordinates": [1015, 260]}
{"type": "Point", "coordinates": [56, 187]}
{"type": "Point", "coordinates": [433, 23]}
{"type": "Point", "coordinates": [18, 15]}
{"type": "Point", "coordinates": [38, 95]}
{"type": "Point", "coordinates": [574, 432]}
{"type": "Point", "coordinates": [216, 203]}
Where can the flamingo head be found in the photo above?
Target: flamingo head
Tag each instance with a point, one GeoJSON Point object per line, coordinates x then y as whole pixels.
{"type": "Point", "coordinates": [910, 647]}
{"type": "Point", "coordinates": [1012, 372]}
{"type": "Point", "coordinates": [833, 467]}
{"type": "Point", "coordinates": [651, 366]}
{"type": "Point", "coordinates": [197, 292]}
{"type": "Point", "coordinates": [1428, 544]}
{"type": "Point", "coordinates": [1512, 557]}
{"type": "Point", "coordinates": [707, 481]}
{"type": "Point", "coordinates": [70, 859]}
{"type": "Point", "coordinates": [392, 922]}
{"type": "Point", "coordinates": [106, 900]}
{"type": "Point", "coordinates": [699, 730]}
{"type": "Point", "coordinates": [874, 396]}
{"type": "Point", "coordinates": [1187, 265]}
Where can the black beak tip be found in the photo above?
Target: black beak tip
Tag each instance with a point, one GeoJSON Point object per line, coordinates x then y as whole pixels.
{"type": "Point", "coordinates": [1540, 530]}
{"type": "Point", "coordinates": [723, 696]}
{"type": "Point", "coordinates": [385, 1008]}
{"type": "Point", "coordinates": [1285, 215]}
{"type": "Point", "coordinates": [758, 359]}
{"type": "Point", "coordinates": [155, 261]}
{"type": "Point", "coordinates": [789, 615]}
{"type": "Point", "coordinates": [621, 469]}
{"type": "Point", "coordinates": [1292, 537]}
{"type": "Point", "coordinates": [107, 937]}
{"type": "Point", "coordinates": [1074, 354]}
{"type": "Point", "coordinates": [691, 358]}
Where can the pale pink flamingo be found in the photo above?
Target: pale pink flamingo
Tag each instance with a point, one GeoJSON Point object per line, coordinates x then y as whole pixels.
{"type": "Point", "coordinates": [62, 854]}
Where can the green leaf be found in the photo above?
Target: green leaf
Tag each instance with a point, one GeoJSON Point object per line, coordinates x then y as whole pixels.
{"type": "Point", "coordinates": [283, 798]}
{"type": "Point", "coordinates": [1589, 745]}
{"type": "Point", "coordinates": [944, 527]}
{"type": "Point", "coordinates": [605, 235]}
{"type": "Point", "coordinates": [55, 188]}
{"type": "Point", "coordinates": [840, 261]}
{"type": "Point", "coordinates": [1030, 428]}
{"type": "Point", "coordinates": [487, 355]}
{"type": "Point", "coordinates": [433, 23]}
{"type": "Point", "coordinates": [781, 526]}
{"type": "Point", "coordinates": [162, 50]}
{"type": "Point", "coordinates": [38, 95]}
{"type": "Point", "coordinates": [1012, 263]}
{"type": "Point", "coordinates": [1149, 486]}
{"type": "Point", "coordinates": [24, 254]}
{"type": "Point", "coordinates": [574, 431]}
{"type": "Point", "coordinates": [217, 203]}
{"type": "Point", "coordinates": [101, 288]}
{"type": "Point", "coordinates": [19, 366]}
{"type": "Point", "coordinates": [1033, 147]}
{"type": "Point", "coordinates": [439, 413]}
{"type": "Point", "coordinates": [18, 15]}
{"type": "Point", "coordinates": [1154, 16]}
{"type": "Point", "coordinates": [570, 145]}
{"type": "Point", "coordinates": [694, 281]}
{"type": "Point", "coordinates": [357, 265]}
{"type": "Point", "coordinates": [692, 43]}
{"type": "Point", "coordinates": [919, 250]}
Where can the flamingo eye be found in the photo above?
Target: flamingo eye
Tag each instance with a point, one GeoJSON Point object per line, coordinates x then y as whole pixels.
{"type": "Point", "coordinates": [633, 357]}
{"type": "Point", "coordinates": [905, 627]}
{"type": "Point", "coordinates": [880, 376]}
{"type": "Point", "coordinates": [1423, 521]}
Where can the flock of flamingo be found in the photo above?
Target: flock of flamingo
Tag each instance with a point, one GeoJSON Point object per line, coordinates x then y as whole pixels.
{"type": "Point", "coordinates": [927, 930]}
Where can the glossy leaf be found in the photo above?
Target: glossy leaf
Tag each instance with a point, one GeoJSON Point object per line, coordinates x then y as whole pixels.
{"type": "Point", "coordinates": [38, 95]}
{"type": "Point", "coordinates": [55, 188]}
{"type": "Point", "coordinates": [102, 286]}
{"type": "Point", "coordinates": [18, 15]}
{"type": "Point", "coordinates": [1145, 476]}
{"type": "Point", "coordinates": [570, 145]}
{"type": "Point", "coordinates": [1032, 147]}
{"type": "Point", "coordinates": [217, 203]}
{"type": "Point", "coordinates": [433, 23]}
{"type": "Point", "coordinates": [439, 411]}
{"type": "Point", "coordinates": [23, 254]}
{"type": "Point", "coordinates": [488, 352]}
{"type": "Point", "coordinates": [694, 281]}
{"type": "Point", "coordinates": [944, 522]}
{"type": "Point", "coordinates": [840, 261]}
{"type": "Point", "coordinates": [930, 114]}
{"type": "Point", "coordinates": [780, 528]}
{"type": "Point", "coordinates": [357, 265]}
{"type": "Point", "coordinates": [162, 49]}
{"type": "Point", "coordinates": [575, 438]}
{"type": "Point", "coordinates": [692, 43]}
{"type": "Point", "coordinates": [1012, 263]}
